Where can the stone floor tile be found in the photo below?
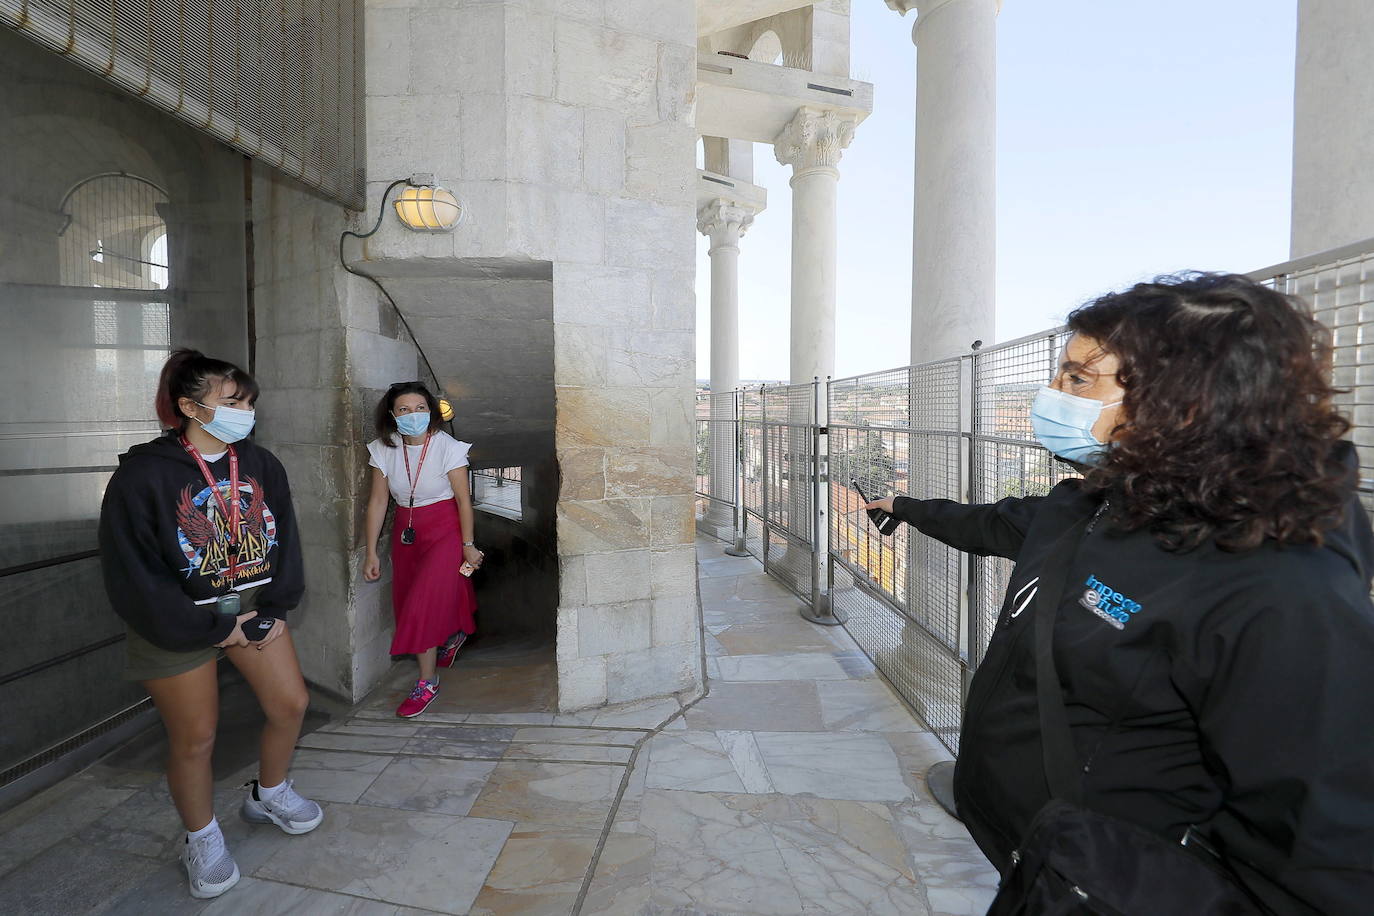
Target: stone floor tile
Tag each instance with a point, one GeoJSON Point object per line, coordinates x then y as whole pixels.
{"type": "Point", "coordinates": [864, 705]}
{"type": "Point", "coordinates": [959, 880]}
{"type": "Point", "coordinates": [402, 857]}
{"type": "Point", "coordinates": [712, 852]}
{"type": "Point", "coordinates": [66, 877]}
{"type": "Point", "coordinates": [692, 761]}
{"type": "Point", "coordinates": [337, 776]}
{"type": "Point", "coordinates": [350, 741]}
{"type": "Point", "coordinates": [623, 882]}
{"type": "Point", "coordinates": [29, 828]}
{"type": "Point", "coordinates": [792, 706]}
{"type": "Point", "coordinates": [534, 794]}
{"type": "Point", "coordinates": [780, 667]}
{"type": "Point", "coordinates": [745, 757]}
{"type": "Point", "coordinates": [833, 765]}
{"type": "Point", "coordinates": [556, 735]}
{"type": "Point", "coordinates": [427, 784]}
{"type": "Point", "coordinates": [917, 751]}
{"type": "Point", "coordinates": [539, 873]}
{"type": "Point", "coordinates": [844, 856]}
{"type": "Point", "coordinates": [578, 753]}
{"type": "Point", "coordinates": [271, 898]}
{"type": "Point", "coordinates": [456, 748]}
{"type": "Point", "coordinates": [147, 823]}
{"type": "Point", "coordinates": [510, 718]}
{"type": "Point", "coordinates": [767, 638]}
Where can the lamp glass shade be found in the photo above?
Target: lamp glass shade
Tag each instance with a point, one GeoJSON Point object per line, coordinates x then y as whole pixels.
{"type": "Point", "coordinates": [428, 209]}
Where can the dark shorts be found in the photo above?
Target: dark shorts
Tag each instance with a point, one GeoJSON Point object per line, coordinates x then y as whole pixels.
{"type": "Point", "coordinates": [146, 662]}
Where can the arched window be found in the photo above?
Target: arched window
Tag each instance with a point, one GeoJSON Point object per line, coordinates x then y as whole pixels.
{"type": "Point", "coordinates": [767, 48]}
{"type": "Point", "coordinates": [114, 235]}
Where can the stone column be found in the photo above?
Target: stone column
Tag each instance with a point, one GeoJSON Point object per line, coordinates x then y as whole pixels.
{"type": "Point", "coordinates": [723, 221]}
{"type": "Point", "coordinates": [812, 144]}
{"type": "Point", "coordinates": [953, 283]}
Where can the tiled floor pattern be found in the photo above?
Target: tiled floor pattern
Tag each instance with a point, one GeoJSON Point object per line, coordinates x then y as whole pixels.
{"type": "Point", "coordinates": [793, 787]}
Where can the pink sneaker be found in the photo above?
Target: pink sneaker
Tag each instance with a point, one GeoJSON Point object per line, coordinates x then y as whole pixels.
{"type": "Point", "coordinates": [423, 694]}
{"type": "Point", "coordinates": [449, 653]}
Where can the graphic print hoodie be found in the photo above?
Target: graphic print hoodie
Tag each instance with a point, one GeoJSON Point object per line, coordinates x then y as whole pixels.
{"type": "Point", "coordinates": [164, 542]}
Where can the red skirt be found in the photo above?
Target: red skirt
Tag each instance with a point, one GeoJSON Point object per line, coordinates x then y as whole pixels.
{"type": "Point", "coordinates": [431, 599]}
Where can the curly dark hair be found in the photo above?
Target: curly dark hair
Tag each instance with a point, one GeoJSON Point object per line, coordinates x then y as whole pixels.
{"type": "Point", "coordinates": [385, 422]}
{"type": "Point", "coordinates": [1228, 431]}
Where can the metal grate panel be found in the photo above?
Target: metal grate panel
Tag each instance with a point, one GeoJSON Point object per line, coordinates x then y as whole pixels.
{"type": "Point", "coordinates": [279, 80]}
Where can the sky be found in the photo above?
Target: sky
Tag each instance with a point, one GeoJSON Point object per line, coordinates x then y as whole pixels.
{"type": "Point", "coordinates": [1133, 139]}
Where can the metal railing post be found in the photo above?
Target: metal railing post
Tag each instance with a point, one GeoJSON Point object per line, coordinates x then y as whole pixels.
{"type": "Point", "coordinates": [821, 610]}
{"type": "Point", "coordinates": [739, 548]}
{"type": "Point", "coordinates": [763, 440]}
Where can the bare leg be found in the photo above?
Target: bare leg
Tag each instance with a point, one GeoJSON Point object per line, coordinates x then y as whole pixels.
{"type": "Point", "coordinates": [189, 706]}
{"type": "Point", "coordinates": [426, 660]}
{"type": "Point", "coordinates": [275, 676]}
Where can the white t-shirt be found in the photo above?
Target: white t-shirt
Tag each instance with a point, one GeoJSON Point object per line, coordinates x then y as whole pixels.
{"type": "Point", "coordinates": [445, 453]}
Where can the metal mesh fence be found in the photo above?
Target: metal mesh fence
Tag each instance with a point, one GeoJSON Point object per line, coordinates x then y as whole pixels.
{"type": "Point", "coordinates": [789, 444]}
{"type": "Point", "coordinates": [1005, 459]}
{"type": "Point", "coordinates": [1341, 294]}
{"type": "Point", "coordinates": [898, 433]}
{"type": "Point", "coordinates": [717, 419]}
{"type": "Point", "coordinates": [279, 80]}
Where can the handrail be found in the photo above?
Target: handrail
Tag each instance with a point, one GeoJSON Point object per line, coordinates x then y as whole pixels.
{"type": "Point", "coordinates": [1320, 259]}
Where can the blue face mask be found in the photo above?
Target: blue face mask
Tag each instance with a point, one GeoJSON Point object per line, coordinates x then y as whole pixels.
{"type": "Point", "coordinates": [230, 424]}
{"type": "Point", "coordinates": [413, 424]}
{"type": "Point", "coordinates": [1063, 423]}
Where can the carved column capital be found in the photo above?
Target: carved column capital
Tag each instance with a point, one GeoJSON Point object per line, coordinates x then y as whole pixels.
{"type": "Point", "coordinates": [924, 9]}
{"type": "Point", "coordinates": [815, 138]}
{"type": "Point", "coordinates": [724, 215]}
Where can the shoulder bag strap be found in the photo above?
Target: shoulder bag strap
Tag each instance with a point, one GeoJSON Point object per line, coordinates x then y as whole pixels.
{"type": "Point", "coordinates": [1061, 767]}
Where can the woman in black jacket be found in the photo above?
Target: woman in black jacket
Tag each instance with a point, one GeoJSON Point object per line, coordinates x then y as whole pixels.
{"type": "Point", "coordinates": [1215, 636]}
{"type": "Point", "coordinates": [201, 557]}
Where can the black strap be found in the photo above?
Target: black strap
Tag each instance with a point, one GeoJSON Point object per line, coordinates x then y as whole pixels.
{"type": "Point", "coordinates": [1061, 767]}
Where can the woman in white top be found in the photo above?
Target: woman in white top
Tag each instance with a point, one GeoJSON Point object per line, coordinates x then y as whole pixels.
{"type": "Point", "coordinates": [431, 538]}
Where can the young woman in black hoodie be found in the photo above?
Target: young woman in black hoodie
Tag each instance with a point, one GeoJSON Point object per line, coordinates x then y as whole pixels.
{"type": "Point", "coordinates": [201, 557]}
{"type": "Point", "coordinates": [1214, 640]}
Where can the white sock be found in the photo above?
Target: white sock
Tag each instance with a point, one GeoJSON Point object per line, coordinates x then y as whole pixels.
{"type": "Point", "coordinates": [267, 793]}
{"type": "Point", "coordinates": [212, 827]}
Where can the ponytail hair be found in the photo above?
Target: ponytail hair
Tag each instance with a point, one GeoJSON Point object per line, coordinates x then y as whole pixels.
{"type": "Point", "coordinates": [191, 374]}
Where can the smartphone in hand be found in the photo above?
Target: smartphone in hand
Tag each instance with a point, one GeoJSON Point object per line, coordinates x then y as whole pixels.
{"type": "Point", "coordinates": [885, 522]}
{"type": "Point", "coordinates": [257, 628]}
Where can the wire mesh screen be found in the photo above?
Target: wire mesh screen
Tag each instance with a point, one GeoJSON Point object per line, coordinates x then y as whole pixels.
{"type": "Point", "coordinates": [788, 430]}
{"type": "Point", "coordinates": [279, 80]}
{"type": "Point", "coordinates": [1341, 294]}
{"type": "Point", "coordinates": [752, 468]}
{"type": "Point", "coordinates": [717, 428]}
{"type": "Point", "coordinates": [898, 433]}
{"type": "Point", "coordinates": [1005, 458]}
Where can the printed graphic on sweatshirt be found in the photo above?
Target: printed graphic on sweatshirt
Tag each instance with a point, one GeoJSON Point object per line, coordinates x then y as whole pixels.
{"type": "Point", "coordinates": [204, 532]}
{"type": "Point", "coordinates": [1108, 603]}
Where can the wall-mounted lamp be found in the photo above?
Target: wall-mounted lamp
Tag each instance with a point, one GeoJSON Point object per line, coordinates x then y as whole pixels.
{"type": "Point", "coordinates": [428, 208]}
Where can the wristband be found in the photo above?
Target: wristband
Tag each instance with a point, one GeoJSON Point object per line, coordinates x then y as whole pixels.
{"type": "Point", "coordinates": [469, 543]}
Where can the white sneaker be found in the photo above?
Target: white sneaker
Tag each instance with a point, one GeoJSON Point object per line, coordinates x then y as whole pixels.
{"type": "Point", "coordinates": [210, 869]}
{"type": "Point", "coordinates": [287, 809]}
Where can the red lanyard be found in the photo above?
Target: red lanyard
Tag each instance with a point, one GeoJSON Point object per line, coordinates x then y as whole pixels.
{"type": "Point", "coordinates": [230, 510]}
{"type": "Point", "coordinates": [418, 467]}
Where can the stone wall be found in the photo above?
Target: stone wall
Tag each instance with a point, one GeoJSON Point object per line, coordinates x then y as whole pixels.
{"type": "Point", "coordinates": [1333, 126]}
{"type": "Point", "coordinates": [326, 346]}
{"type": "Point", "coordinates": [566, 131]}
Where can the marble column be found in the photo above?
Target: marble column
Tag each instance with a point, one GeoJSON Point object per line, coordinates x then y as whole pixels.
{"type": "Point", "coordinates": [953, 286]}
{"type": "Point", "coordinates": [723, 221]}
{"type": "Point", "coordinates": [812, 143]}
